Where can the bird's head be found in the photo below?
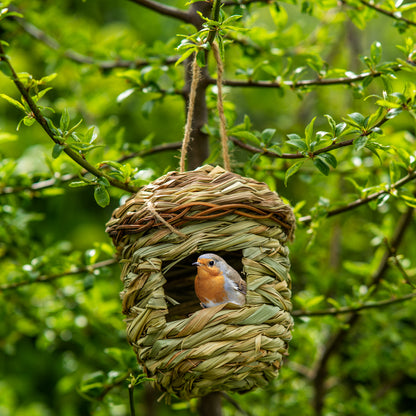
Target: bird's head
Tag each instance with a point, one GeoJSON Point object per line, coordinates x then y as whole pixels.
{"type": "Point", "coordinates": [210, 264]}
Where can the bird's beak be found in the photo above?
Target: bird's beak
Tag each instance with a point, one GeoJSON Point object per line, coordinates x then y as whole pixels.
{"type": "Point", "coordinates": [196, 264]}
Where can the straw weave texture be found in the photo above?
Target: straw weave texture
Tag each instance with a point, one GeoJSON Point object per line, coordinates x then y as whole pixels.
{"type": "Point", "coordinates": [158, 233]}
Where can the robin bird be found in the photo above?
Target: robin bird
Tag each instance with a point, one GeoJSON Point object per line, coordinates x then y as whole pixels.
{"type": "Point", "coordinates": [217, 282]}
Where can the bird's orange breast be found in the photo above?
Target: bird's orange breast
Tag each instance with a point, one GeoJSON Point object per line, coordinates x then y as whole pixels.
{"type": "Point", "coordinates": [210, 287]}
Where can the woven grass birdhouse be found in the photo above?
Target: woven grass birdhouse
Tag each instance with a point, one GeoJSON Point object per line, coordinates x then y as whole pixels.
{"type": "Point", "coordinates": [158, 233]}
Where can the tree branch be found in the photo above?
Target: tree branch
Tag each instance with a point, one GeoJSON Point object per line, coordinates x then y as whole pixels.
{"type": "Point", "coordinates": [265, 152]}
{"type": "Point", "coordinates": [394, 15]}
{"type": "Point", "coordinates": [244, 2]}
{"type": "Point", "coordinates": [48, 183]}
{"type": "Point", "coordinates": [50, 277]}
{"type": "Point", "coordinates": [348, 309]}
{"type": "Point", "coordinates": [37, 114]}
{"type": "Point", "coordinates": [303, 83]}
{"type": "Point", "coordinates": [333, 146]}
{"type": "Point", "coordinates": [362, 201]}
{"type": "Point", "coordinates": [165, 10]}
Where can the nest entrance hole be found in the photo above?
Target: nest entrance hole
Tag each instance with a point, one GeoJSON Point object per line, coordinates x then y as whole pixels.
{"type": "Point", "coordinates": [180, 283]}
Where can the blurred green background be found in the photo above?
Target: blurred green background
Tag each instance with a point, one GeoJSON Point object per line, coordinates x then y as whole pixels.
{"type": "Point", "coordinates": [62, 345]}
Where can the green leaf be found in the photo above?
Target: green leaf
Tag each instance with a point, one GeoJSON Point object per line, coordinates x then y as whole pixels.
{"type": "Point", "coordinates": [372, 147]}
{"type": "Point", "coordinates": [185, 55]}
{"type": "Point", "coordinates": [28, 121]}
{"type": "Point", "coordinates": [201, 58]}
{"type": "Point", "coordinates": [276, 149]}
{"type": "Point", "coordinates": [394, 172]}
{"type": "Point", "coordinates": [293, 169]}
{"type": "Point", "coordinates": [267, 135]}
{"type": "Point", "coordinates": [360, 142]}
{"type": "Point", "coordinates": [403, 155]}
{"type": "Point", "coordinates": [321, 165]}
{"type": "Point", "coordinates": [103, 181]}
{"type": "Point", "coordinates": [57, 150]}
{"type": "Point", "coordinates": [309, 132]}
{"type": "Point", "coordinates": [64, 121]}
{"type": "Point", "coordinates": [331, 123]}
{"type": "Point", "coordinates": [328, 158]}
{"type": "Point", "coordinates": [387, 104]}
{"type": "Point", "coordinates": [356, 119]}
{"type": "Point", "coordinates": [101, 195]}
{"type": "Point", "coordinates": [91, 135]}
{"type": "Point", "coordinates": [40, 94]}
{"type": "Point", "coordinates": [247, 135]}
{"type": "Point", "coordinates": [13, 102]}
{"type": "Point", "coordinates": [52, 127]}
{"type": "Point", "coordinates": [339, 129]}
{"type": "Point", "coordinates": [382, 199]}
{"type": "Point", "coordinates": [409, 200]}
{"type": "Point", "coordinates": [79, 184]}
{"type": "Point", "coordinates": [296, 141]}
{"type": "Point", "coordinates": [48, 78]}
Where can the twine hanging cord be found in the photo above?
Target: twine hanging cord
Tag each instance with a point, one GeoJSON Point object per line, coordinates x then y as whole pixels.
{"type": "Point", "coordinates": [220, 107]}
{"type": "Point", "coordinates": [191, 107]}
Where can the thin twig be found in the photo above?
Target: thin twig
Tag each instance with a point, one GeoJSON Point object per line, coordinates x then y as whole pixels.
{"type": "Point", "coordinates": [50, 277]}
{"type": "Point", "coordinates": [234, 403]}
{"type": "Point", "coordinates": [396, 15]}
{"type": "Point", "coordinates": [266, 152]}
{"type": "Point", "coordinates": [349, 309]}
{"type": "Point", "coordinates": [165, 10]}
{"type": "Point", "coordinates": [131, 399]}
{"type": "Point", "coordinates": [398, 264]}
{"type": "Point", "coordinates": [108, 387]}
{"type": "Point", "coordinates": [362, 201]}
{"type": "Point", "coordinates": [244, 2]}
{"type": "Point", "coordinates": [157, 149]}
{"type": "Point", "coordinates": [333, 146]}
{"type": "Point", "coordinates": [303, 83]}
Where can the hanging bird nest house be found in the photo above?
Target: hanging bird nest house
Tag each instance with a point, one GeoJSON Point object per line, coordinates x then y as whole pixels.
{"type": "Point", "coordinates": [158, 233]}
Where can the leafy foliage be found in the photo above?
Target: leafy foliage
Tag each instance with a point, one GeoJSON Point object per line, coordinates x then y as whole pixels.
{"type": "Point", "coordinates": [320, 105]}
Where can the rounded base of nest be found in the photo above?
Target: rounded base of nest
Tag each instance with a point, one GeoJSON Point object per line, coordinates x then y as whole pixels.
{"type": "Point", "coordinates": [189, 351]}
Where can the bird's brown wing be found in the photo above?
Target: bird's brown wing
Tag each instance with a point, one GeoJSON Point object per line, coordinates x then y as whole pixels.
{"type": "Point", "coordinates": [240, 283]}
{"type": "Point", "coordinates": [242, 286]}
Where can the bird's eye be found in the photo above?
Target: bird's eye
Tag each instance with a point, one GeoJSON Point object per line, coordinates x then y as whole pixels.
{"type": "Point", "coordinates": [211, 263]}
